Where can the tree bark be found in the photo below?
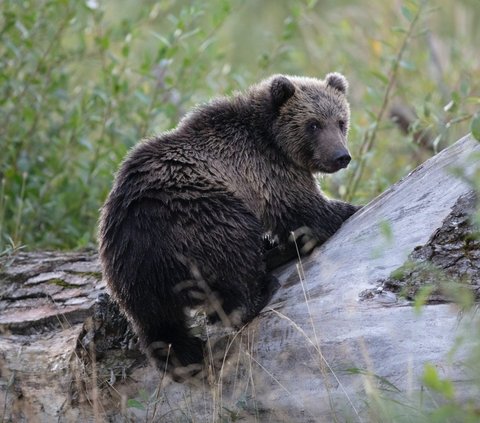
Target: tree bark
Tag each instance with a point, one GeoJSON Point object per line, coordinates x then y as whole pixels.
{"type": "Point", "coordinates": [336, 334]}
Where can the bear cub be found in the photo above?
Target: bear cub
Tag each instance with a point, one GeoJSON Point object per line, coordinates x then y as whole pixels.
{"type": "Point", "coordinates": [185, 222]}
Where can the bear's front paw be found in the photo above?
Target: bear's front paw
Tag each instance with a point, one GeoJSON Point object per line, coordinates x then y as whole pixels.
{"type": "Point", "coordinates": [304, 240]}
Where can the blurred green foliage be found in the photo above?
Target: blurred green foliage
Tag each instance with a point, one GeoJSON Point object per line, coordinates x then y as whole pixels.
{"type": "Point", "coordinates": [82, 81]}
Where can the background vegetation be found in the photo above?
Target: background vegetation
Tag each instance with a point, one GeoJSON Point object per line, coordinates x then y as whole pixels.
{"type": "Point", "coordinates": [82, 81]}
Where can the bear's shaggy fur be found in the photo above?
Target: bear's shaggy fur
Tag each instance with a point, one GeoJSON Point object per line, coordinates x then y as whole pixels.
{"type": "Point", "coordinates": [185, 221]}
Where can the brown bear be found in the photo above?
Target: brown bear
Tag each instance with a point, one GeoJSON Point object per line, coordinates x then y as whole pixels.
{"type": "Point", "coordinates": [185, 221]}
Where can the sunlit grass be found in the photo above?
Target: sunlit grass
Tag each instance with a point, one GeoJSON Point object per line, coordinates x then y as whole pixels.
{"type": "Point", "coordinates": [82, 82]}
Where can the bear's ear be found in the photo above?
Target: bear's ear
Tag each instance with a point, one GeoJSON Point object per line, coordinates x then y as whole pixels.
{"type": "Point", "coordinates": [338, 81]}
{"type": "Point", "coordinates": [281, 90]}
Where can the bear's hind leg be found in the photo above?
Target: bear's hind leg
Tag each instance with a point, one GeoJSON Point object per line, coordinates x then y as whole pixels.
{"type": "Point", "coordinates": [230, 258]}
{"type": "Point", "coordinates": [168, 343]}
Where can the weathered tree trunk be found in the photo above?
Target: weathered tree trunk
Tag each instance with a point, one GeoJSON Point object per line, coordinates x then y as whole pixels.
{"type": "Point", "coordinates": [334, 335]}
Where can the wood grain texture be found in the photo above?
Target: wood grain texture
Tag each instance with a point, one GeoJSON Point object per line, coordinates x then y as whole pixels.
{"type": "Point", "coordinates": [66, 355]}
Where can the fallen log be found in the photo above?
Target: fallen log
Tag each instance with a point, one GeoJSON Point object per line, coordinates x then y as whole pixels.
{"type": "Point", "coordinates": [335, 335]}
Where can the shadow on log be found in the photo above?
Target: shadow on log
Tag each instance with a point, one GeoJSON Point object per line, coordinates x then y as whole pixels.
{"type": "Point", "coordinates": [336, 331]}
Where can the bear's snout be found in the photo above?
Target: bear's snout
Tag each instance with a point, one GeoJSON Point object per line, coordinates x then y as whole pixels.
{"type": "Point", "coordinates": [342, 158]}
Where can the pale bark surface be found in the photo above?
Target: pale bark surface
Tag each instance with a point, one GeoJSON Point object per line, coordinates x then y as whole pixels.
{"type": "Point", "coordinates": [67, 355]}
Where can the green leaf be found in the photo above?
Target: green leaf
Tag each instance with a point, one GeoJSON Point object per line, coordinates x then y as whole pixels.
{"type": "Point", "coordinates": [399, 29]}
{"type": "Point", "coordinates": [383, 381]}
{"type": "Point", "coordinates": [125, 50]}
{"type": "Point", "coordinates": [386, 230]}
{"type": "Point", "coordinates": [162, 39]}
{"type": "Point", "coordinates": [133, 403]}
{"type": "Point", "coordinates": [426, 110]}
{"type": "Point", "coordinates": [472, 100]}
{"type": "Point", "coordinates": [398, 274]}
{"type": "Point", "coordinates": [407, 65]}
{"type": "Point", "coordinates": [433, 381]}
{"type": "Point", "coordinates": [456, 97]}
{"type": "Point", "coordinates": [422, 297]}
{"type": "Point", "coordinates": [464, 88]}
{"type": "Point", "coordinates": [380, 76]}
{"type": "Point", "coordinates": [475, 126]}
{"type": "Point", "coordinates": [407, 13]}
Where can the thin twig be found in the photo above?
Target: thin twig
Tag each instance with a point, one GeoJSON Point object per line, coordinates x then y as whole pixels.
{"type": "Point", "coordinates": [324, 365]}
{"type": "Point", "coordinates": [370, 135]}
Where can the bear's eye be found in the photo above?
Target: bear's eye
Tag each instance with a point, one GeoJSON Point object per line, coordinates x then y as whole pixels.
{"type": "Point", "coordinates": [314, 126]}
{"type": "Point", "coordinates": [342, 125]}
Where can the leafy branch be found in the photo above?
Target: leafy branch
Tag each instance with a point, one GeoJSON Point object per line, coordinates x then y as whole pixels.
{"type": "Point", "coordinates": [370, 135]}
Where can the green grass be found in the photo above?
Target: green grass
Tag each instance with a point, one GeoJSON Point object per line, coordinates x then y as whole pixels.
{"type": "Point", "coordinates": [82, 82]}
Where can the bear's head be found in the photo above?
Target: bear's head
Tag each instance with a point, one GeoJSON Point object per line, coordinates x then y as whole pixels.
{"type": "Point", "coordinates": [311, 120]}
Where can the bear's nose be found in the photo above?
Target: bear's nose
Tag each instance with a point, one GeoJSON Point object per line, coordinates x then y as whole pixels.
{"type": "Point", "coordinates": [342, 159]}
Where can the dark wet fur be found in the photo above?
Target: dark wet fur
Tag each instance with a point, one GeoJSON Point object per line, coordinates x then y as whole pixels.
{"type": "Point", "coordinates": [185, 221]}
